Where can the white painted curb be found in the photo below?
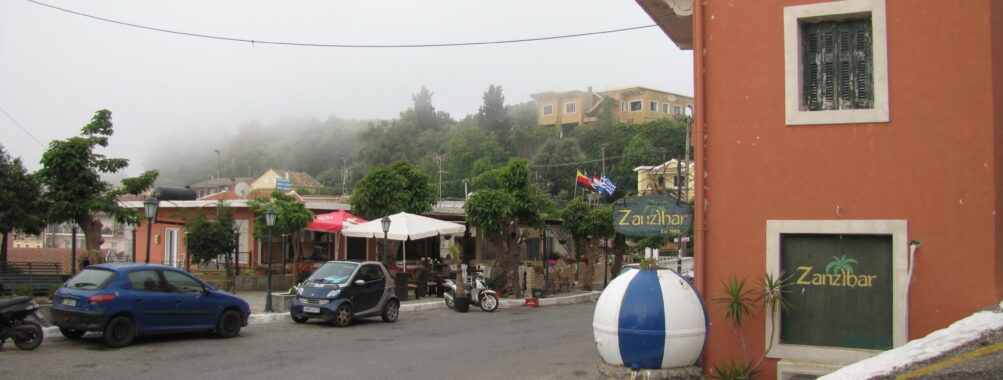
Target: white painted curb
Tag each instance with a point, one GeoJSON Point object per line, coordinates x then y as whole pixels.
{"type": "Point", "coordinates": [52, 333]}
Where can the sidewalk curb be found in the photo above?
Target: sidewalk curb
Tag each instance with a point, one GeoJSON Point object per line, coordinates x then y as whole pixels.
{"type": "Point", "coordinates": [52, 333]}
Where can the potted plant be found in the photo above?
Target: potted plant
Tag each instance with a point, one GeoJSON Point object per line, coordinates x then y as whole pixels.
{"type": "Point", "coordinates": [460, 301]}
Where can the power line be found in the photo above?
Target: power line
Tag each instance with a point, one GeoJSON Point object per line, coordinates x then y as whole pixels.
{"type": "Point", "coordinates": [335, 45]}
{"type": "Point", "coordinates": [572, 163]}
{"type": "Point", "coordinates": [22, 128]}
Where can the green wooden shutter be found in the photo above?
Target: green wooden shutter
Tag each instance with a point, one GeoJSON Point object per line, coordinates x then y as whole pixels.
{"type": "Point", "coordinates": [836, 64]}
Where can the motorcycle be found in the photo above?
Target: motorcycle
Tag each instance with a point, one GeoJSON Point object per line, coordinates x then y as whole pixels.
{"type": "Point", "coordinates": [480, 295]}
{"type": "Point", "coordinates": [14, 323]}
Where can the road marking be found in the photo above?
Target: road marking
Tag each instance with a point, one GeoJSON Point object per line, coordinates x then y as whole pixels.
{"type": "Point", "coordinates": [947, 363]}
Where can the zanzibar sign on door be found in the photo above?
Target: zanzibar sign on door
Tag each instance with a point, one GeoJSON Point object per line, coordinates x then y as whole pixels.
{"type": "Point", "coordinates": [652, 215]}
{"type": "Point", "coordinates": [840, 290]}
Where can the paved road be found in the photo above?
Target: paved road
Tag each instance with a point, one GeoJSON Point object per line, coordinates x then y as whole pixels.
{"type": "Point", "coordinates": [552, 342]}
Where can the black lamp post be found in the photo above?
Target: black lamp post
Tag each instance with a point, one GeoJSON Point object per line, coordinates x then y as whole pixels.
{"type": "Point", "coordinates": [269, 221]}
{"type": "Point", "coordinates": [150, 207]}
{"type": "Point", "coordinates": [386, 229]}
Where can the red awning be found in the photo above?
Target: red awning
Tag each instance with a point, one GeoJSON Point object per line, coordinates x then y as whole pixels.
{"type": "Point", "coordinates": [334, 221]}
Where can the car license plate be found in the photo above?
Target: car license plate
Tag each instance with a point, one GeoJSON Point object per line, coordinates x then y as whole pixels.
{"type": "Point", "coordinates": [311, 309]}
{"type": "Point", "coordinates": [69, 302]}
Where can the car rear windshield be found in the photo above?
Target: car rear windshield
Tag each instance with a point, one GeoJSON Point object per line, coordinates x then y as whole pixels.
{"type": "Point", "coordinates": [91, 279]}
{"type": "Point", "coordinates": [333, 273]}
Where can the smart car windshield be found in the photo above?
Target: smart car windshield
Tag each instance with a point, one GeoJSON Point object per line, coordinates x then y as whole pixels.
{"type": "Point", "coordinates": [333, 273]}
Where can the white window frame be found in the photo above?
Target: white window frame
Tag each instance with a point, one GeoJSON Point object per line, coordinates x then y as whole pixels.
{"type": "Point", "coordinates": [835, 10]}
{"type": "Point", "coordinates": [666, 107]}
{"type": "Point", "coordinates": [545, 108]}
{"type": "Point", "coordinates": [630, 105]}
{"type": "Point", "coordinates": [898, 229]}
{"type": "Point", "coordinates": [677, 110]}
{"type": "Point", "coordinates": [652, 106]}
{"type": "Point", "coordinates": [574, 108]}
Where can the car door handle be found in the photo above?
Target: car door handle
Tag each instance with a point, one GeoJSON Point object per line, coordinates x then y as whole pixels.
{"type": "Point", "coordinates": [139, 300]}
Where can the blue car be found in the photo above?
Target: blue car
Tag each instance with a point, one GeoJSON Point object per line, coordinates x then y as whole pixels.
{"type": "Point", "coordinates": [125, 300]}
{"type": "Point", "coordinates": [340, 291]}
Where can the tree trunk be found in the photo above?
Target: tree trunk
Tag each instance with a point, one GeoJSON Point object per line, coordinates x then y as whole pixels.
{"type": "Point", "coordinates": [297, 251]}
{"type": "Point", "coordinates": [590, 270]}
{"type": "Point", "coordinates": [92, 233]}
{"type": "Point", "coordinates": [3, 252]}
{"type": "Point", "coordinates": [619, 248]}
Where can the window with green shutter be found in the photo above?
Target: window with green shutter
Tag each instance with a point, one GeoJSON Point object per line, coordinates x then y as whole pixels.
{"type": "Point", "coordinates": [837, 65]}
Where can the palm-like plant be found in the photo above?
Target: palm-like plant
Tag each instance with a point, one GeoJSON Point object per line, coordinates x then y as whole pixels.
{"type": "Point", "coordinates": [736, 303]}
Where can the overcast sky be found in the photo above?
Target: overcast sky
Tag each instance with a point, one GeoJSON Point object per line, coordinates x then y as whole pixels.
{"type": "Point", "coordinates": [57, 68]}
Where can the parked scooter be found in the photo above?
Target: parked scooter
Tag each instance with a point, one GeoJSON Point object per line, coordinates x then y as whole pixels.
{"type": "Point", "coordinates": [481, 296]}
{"type": "Point", "coordinates": [14, 323]}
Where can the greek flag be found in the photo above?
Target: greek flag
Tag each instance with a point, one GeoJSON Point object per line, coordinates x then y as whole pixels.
{"type": "Point", "coordinates": [606, 186]}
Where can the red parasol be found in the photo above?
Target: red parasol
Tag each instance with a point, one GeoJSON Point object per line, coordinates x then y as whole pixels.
{"type": "Point", "coordinates": [334, 221]}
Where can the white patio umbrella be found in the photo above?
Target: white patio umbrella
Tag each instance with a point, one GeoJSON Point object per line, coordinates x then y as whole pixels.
{"type": "Point", "coordinates": [404, 226]}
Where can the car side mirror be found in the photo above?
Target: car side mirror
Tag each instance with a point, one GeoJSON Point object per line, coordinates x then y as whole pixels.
{"type": "Point", "coordinates": [360, 282]}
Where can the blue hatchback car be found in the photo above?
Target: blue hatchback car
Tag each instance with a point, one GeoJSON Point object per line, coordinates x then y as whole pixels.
{"type": "Point", "coordinates": [123, 300]}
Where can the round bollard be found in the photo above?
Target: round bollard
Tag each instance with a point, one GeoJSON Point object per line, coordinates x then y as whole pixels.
{"type": "Point", "coordinates": [650, 319]}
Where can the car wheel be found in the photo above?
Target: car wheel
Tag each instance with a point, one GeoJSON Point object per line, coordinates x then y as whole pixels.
{"type": "Point", "coordinates": [71, 333]}
{"type": "Point", "coordinates": [342, 316]}
{"type": "Point", "coordinates": [120, 331]}
{"type": "Point", "coordinates": [448, 296]}
{"type": "Point", "coordinates": [31, 338]}
{"type": "Point", "coordinates": [229, 324]}
{"type": "Point", "coordinates": [390, 311]}
{"type": "Point", "coordinates": [299, 319]}
{"type": "Point", "coordinates": [489, 303]}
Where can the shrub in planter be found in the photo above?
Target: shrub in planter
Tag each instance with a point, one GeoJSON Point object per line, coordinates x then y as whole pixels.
{"type": "Point", "coordinates": [22, 291]}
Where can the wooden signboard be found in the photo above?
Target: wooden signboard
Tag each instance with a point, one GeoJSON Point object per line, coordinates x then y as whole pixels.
{"type": "Point", "coordinates": [841, 290]}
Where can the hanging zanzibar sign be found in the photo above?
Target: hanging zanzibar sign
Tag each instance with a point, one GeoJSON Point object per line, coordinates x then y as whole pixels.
{"type": "Point", "coordinates": [652, 215]}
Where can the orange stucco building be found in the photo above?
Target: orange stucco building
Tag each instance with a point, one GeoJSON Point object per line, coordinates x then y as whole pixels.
{"type": "Point", "coordinates": [845, 132]}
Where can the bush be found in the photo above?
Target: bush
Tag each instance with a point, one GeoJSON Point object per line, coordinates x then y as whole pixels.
{"type": "Point", "coordinates": [22, 290]}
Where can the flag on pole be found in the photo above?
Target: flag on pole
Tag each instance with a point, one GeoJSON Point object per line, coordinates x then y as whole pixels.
{"type": "Point", "coordinates": [583, 180]}
{"type": "Point", "coordinates": [605, 186]}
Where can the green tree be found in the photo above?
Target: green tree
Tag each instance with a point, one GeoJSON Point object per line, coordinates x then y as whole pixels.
{"type": "Point", "coordinates": [504, 201]}
{"type": "Point", "coordinates": [493, 116]}
{"type": "Point", "coordinates": [587, 226]}
{"type": "Point", "coordinates": [469, 152]}
{"type": "Point", "coordinates": [292, 217]}
{"type": "Point", "coordinates": [23, 210]}
{"type": "Point", "coordinates": [390, 189]}
{"type": "Point", "coordinates": [71, 173]}
{"type": "Point", "coordinates": [555, 164]}
{"type": "Point", "coordinates": [209, 238]}
{"type": "Point", "coordinates": [424, 112]}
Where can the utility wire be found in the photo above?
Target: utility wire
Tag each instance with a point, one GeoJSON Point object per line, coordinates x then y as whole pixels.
{"type": "Point", "coordinates": [573, 163]}
{"type": "Point", "coordinates": [305, 44]}
{"type": "Point", "coordinates": [22, 128]}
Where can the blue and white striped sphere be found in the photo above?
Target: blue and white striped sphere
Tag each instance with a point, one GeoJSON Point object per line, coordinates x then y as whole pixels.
{"type": "Point", "coordinates": [650, 319]}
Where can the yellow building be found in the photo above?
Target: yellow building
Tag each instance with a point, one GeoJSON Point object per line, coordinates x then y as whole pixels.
{"type": "Point", "coordinates": [665, 178]}
{"type": "Point", "coordinates": [285, 180]}
{"type": "Point", "coordinates": [633, 105]}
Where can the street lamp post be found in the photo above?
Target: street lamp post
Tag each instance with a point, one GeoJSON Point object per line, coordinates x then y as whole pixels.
{"type": "Point", "coordinates": [386, 229]}
{"type": "Point", "coordinates": [150, 207]}
{"type": "Point", "coordinates": [269, 221]}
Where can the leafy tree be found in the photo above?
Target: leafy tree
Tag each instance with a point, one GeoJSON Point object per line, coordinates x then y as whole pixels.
{"type": "Point", "coordinates": [71, 173]}
{"type": "Point", "coordinates": [469, 152]}
{"type": "Point", "coordinates": [556, 164]}
{"type": "Point", "coordinates": [424, 112]}
{"type": "Point", "coordinates": [505, 200]}
{"type": "Point", "coordinates": [292, 217]}
{"type": "Point", "coordinates": [390, 189]}
{"type": "Point", "coordinates": [587, 226]}
{"type": "Point", "coordinates": [209, 238]}
{"type": "Point", "coordinates": [492, 115]}
{"type": "Point", "coordinates": [23, 210]}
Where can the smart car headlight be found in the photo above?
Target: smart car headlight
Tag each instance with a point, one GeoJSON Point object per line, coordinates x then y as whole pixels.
{"type": "Point", "coordinates": [334, 293]}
